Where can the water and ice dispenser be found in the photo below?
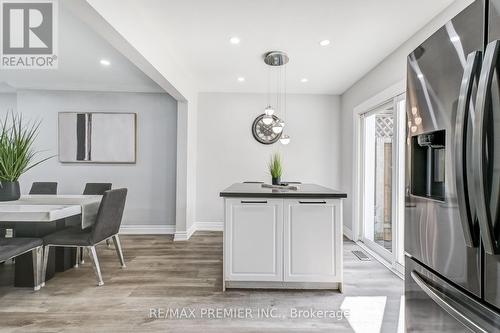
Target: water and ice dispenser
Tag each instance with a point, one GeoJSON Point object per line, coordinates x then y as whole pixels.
{"type": "Point", "coordinates": [428, 165]}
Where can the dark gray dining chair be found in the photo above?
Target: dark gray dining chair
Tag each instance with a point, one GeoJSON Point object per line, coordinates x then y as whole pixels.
{"type": "Point", "coordinates": [107, 225]}
{"type": "Point", "coordinates": [96, 188]}
{"type": "Point", "coordinates": [14, 247]}
{"type": "Point", "coordinates": [44, 188]}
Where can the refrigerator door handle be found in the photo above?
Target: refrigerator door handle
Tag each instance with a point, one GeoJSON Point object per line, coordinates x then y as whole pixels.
{"type": "Point", "coordinates": [440, 299]}
{"type": "Point", "coordinates": [464, 197]}
{"type": "Point", "coordinates": [483, 103]}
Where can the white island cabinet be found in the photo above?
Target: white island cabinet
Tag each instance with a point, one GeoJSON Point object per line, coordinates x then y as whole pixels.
{"type": "Point", "coordinates": [254, 241]}
{"type": "Point", "coordinates": [282, 239]}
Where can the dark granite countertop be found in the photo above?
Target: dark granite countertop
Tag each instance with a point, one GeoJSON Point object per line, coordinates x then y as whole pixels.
{"type": "Point", "coordinates": [245, 190]}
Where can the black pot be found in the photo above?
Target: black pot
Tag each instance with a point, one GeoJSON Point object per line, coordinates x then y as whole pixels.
{"type": "Point", "coordinates": [277, 181]}
{"type": "Point", "coordinates": [9, 191]}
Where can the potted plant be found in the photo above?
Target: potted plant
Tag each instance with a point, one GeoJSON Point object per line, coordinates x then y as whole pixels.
{"type": "Point", "coordinates": [16, 153]}
{"type": "Point", "coordinates": [276, 168]}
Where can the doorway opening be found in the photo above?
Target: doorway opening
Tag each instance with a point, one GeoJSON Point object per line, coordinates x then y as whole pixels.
{"type": "Point", "coordinates": [382, 144]}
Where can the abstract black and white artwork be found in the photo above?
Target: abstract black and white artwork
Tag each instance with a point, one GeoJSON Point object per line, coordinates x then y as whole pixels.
{"type": "Point", "coordinates": [97, 137]}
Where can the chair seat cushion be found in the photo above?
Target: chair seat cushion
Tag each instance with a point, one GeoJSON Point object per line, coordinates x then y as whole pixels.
{"type": "Point", "coordinates": [72, 236]}
{"type": "Point", "coordinates": [12, 247]}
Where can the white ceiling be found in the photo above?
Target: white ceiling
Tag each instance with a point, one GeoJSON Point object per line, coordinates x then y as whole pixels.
{"type": "Point", "coordinates": [80, 52]}
{"type": "Point", "coordinates": [362, 33]}
{"type": "Point", "coordinates": [196, 34]}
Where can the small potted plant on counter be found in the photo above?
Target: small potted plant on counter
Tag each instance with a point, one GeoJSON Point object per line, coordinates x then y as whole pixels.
{"type": "Point", "coordinates": [276, 168]}
{"type": "Point", "coordinates": [16, 153]}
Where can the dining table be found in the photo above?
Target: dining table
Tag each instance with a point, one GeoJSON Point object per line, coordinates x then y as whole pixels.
{"type": "Point", "coordinates": [39, 215]}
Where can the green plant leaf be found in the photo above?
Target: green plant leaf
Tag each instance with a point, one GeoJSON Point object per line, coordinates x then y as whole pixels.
{"type": "Point", "coordinates": [16, 146]}
{"type": "Point", "coordinates": [275, 165]}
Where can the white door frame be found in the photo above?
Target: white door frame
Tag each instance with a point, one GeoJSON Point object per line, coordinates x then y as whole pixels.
{"type": "Point", "coordinates": [357, 202]}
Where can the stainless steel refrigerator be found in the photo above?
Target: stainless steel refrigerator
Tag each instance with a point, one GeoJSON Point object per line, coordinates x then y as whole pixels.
{"type": "Point", "coordinates": [452, 210]}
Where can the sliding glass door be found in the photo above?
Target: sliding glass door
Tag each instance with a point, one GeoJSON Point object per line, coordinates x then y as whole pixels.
{"type": "Point", "coordinates": [382, 178]}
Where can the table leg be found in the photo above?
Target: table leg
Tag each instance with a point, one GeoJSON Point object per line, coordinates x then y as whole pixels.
{"type": "Point", "coordinates": [65, 256]}
{"type": "Point", "coordinates": [24, 263]}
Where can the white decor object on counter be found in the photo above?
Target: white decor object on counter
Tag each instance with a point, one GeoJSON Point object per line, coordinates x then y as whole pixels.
{"type": "Point", "coordinates": [282, 187]}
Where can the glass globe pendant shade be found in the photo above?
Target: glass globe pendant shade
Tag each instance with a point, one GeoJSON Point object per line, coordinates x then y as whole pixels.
{"type": "Point", "coordinates": [278, 127]}
{"type": "Point", "coordinates": [285, 139]}
{"type": "Point", "coordinates": [269, 111]}
{"type": "Point", "coordinates": [267, 120]}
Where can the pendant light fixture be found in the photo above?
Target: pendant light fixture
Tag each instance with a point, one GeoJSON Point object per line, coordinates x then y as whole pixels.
{"type": "Point", "coordinates": [285, 138]}
{"type": "Point", "coordinates": [278, 127]}
{"type": "Point", "coordinates": [278, 60]}
{"type": "Point", "coordinates": [268, 120]}
{"type": "Point", "coordinates": [269, 111]}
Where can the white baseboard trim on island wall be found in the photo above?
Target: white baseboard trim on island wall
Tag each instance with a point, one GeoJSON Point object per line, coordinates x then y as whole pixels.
{"type": "Point", "coordinates": [347, 232]}
{"type": "Point", "coordinates": [147, 229]}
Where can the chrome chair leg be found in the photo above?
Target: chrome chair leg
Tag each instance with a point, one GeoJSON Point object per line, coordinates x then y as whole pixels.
{"type": "Point", "coordinates": [82, 256]}
{"type": "Point", "coordinates": [46, 252]}
{"type": "Point", "coordinates": [97, 269]}
{"type": "Point", "coordinates": [77, 257]}
{"type": "Point", "coordinates": [36, 254]}
{"type": "Point", "coordinates": [118, 248]}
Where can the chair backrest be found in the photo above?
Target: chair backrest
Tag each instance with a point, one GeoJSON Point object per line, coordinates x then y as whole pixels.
{"type": "Point", "coordinates": [96, 188]}
{"type": "Point", "coordinates": [44, 188]}
{"type": "Point", "coordinates": [109, 216]}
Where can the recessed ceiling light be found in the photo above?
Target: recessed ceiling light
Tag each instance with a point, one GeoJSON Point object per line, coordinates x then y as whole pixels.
{"type": "Point", "coordinates": [234, 40]}
{"type": "Point", "coordinates": [324, 42]}
{"type": "Point", "coordinates": [241, 79]}
{"type": "Point", "coordinates": [105, 62]}
{"type": "Point", "coordinates": [304, 80]}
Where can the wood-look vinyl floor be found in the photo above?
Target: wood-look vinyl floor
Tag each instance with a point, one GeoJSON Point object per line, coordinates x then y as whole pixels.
{"type": "Point", "coordinates": [164, 274]}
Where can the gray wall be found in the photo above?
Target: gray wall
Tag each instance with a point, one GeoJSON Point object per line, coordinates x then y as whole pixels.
{"type": "Point", "coordinates": [228, 153]}
{"type": "Point", "coordinates": [8, 101]}
{"type": "Point", "coordinates": [151, 181]}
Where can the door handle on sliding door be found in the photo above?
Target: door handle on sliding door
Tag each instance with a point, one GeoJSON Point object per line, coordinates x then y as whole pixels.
{"type": "Point", "coordinates": [471, 75]}
{"type": "Point", "coordinates": [483, 105]}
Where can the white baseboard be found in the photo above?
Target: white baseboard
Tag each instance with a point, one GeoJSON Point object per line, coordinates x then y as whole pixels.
{"type": "Point", "coordinates": [181, 236]}
{"type": "Point", "coordinates": [191, 230]}
{"type": "Point", "coordinates": [347, 232]}
{"type": "Point", "coordinates": [154, 229]}
{"type": "Point", "coordinates": [210, 226]}
{"type": "Point", "coordinates": [198, 226]}
{"type": "Point", "coordinates": [147, 229]}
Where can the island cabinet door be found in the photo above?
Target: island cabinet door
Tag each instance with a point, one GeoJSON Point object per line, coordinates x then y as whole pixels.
{"type": "Point", "coordinates": [312, 240]}
{"type": "Point", "coordinates": [253, 240]}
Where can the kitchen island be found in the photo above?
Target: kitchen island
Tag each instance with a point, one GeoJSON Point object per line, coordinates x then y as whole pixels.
{"type": "Point", "coordinates": [275, 238]}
